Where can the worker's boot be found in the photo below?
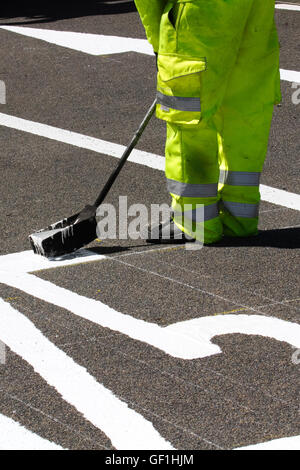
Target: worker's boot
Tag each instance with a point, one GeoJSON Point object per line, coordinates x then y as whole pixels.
{"type": "Point", "coordinates": [167, 232]}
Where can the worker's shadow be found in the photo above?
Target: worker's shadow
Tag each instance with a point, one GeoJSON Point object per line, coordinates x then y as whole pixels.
{"type": "Point", "coordinates": [288, 238]}
{"type": "Point", "coordinates": [37, 11]}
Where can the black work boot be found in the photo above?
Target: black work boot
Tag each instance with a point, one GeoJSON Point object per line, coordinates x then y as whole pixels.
{"type": "Point", "coordinates": [167, 232]}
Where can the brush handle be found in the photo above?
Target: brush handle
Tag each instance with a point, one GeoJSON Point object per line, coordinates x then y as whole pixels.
{"type": "Point", "coordinates": [125, 156]}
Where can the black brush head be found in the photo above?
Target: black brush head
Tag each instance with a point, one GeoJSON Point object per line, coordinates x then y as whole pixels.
{"type": "Point", "coordinates": [67, 235]}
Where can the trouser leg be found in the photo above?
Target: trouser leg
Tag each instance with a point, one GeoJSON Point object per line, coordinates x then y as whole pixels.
{"type": "Point", "coordinates": [199, 43]}
{"type": "Point", "coordinates": [247, 110]}
{"type": "Point", "coordinates": [217, 58]}
{"type": "Point", "coordinates": [192, 173]}
{"type": "Point", "coordinates": [243, 149]}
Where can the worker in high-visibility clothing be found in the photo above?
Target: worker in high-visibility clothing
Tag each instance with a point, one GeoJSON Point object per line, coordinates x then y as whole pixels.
{"type": "Point", "coordinates": [218, 80]}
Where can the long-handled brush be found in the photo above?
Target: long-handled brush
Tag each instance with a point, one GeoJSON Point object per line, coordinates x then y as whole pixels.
{"type": "Point", "coordinates": [72, 233]}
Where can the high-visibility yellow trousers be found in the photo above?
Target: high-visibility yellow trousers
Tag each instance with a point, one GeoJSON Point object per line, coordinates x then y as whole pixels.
{"type": "Point", "coordinates": [218, 81]}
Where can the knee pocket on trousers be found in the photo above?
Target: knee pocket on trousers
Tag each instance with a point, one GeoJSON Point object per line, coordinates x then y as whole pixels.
{"type": "Point", "coordinates": [179, 88]}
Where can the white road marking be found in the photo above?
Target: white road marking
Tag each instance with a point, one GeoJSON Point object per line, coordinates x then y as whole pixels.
{"type": "Point", "coordinates": [28, 262]}
{"type": "Point", "coordinates": [13, 436]}
{"type": "Point", "coordinates": [280, 197]}
{"type": "Point", "coordinates": [286, 443]}
{"type": "Point", "coordinates": [96, 44]}
{"type": "Point", "coordinates": [82, 141]}
{"type": "Point", "coordinates": [172, 343]}
{"type": "Point", "coordinates": [126, 429]}
{"type": "Point", "coordinates": [187, 340]}
{"type": "Point", "coordinates": [290, 76]}
{"type": "Point", "coordinates": [285, 6]}
{"type": "Point", "coordinates": [206, 328]}
{"type": "Point", "coordinates": [156, 162]}
{"type": "Point", "coordinates": [202, 330]}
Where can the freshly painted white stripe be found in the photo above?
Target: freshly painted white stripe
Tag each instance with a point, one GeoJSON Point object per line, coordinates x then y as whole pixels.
{"type": "Point", "coordinates": [27, 261]}
{"type": "Point", "coordinates": [276, 196]}
{"type": "Point", "coordinates": [286, 443]}
{"type": "Point", "coordinates": [290, 76]}
{"type": "Point", "coordinates": [126, 428]}
{"type": "Point", "coordinates": [94, 44]}
{"type": "Point", "coordinates": [204, 329]}
{"type": "Point", "coordinates": [285, 6]}
{"type": "Point", "coordinates": [173, 343]}
{"type": "Point", "coordinates": [280, 197]}
{"type": "Point", "coordinates": [78, 140]}
{"type": "Point", "coordinates": [13, 436]}
{"type": "Point", "coordinates": [187, 340]}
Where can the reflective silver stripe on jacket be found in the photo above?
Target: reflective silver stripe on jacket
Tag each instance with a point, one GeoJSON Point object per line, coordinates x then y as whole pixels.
{"type": "Point", "coordinates": [239, 178]}
{"type": "Point", "coordinates": [239, 209]}
{"type": "Point", "coordinates": [179, 103]}
{"type": "Point", "coordinates": [201, 214]}
{"type": "Point", "coordinates": [192, 190]}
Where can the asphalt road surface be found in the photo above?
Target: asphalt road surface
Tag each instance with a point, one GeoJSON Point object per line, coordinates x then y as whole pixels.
{"type": "Point", "coordinates": [126, 345]}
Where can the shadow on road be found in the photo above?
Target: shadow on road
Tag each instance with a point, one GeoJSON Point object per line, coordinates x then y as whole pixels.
{"type": "Point", "coordinates": [116, 249]}
{"type": "Point", "coordinates": [288, 238]}
{"type": "Point", "coordinates": [39, 11]}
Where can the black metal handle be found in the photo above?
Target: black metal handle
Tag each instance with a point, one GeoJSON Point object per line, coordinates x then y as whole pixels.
{"type": "Point", "coordinates": [125, 155]}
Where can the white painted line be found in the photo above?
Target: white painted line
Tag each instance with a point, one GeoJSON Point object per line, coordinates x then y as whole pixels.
{"type": "Point", "coordinates": [187, 340]}
{"type": "Point", "coordinates": [172, 343]}
{"type": "Point", "coordinates": [206, 328]}
{"type": "Point", "coordinates": [285, 6]}
{"type": "Point", "coordinates": [94, 44]}
{"type": "Point", "coordinates": [290, 76]}
{"type": "Point", "coordinates": [27, 261]}
{"type": "Point", "coordinates": [13, 436]}
{"type": "Point", "coordinates": [287, 443]}
{"type": "Point", "coordinates": [82, 141]}
{"type": "Point", "coordinates": [151, 160]}
{"type": "Point", "coordinates": [280, 197]}
{"type": "Point", "coordinates": [126, 429]}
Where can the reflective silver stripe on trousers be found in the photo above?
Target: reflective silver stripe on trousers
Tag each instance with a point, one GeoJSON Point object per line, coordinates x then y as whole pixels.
{"type": "Point", "coordinates": [239, 209]}
{"type": "Point", "coordinates": [179, 103]}
{"type": "Point", "coordinates": [203, 214]}
{"type": "Point", "coordinates": [192, 190]}
{"type": "Point", "coordinates": [239, 178]}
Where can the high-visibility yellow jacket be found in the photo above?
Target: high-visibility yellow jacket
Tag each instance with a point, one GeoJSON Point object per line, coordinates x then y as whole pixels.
{"type": "Point", "coordinates": [200, 43]}
{"type": "Point", "coordinates": [218, 79]}
{"type": "Point", "coordinates": [150, 12]}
